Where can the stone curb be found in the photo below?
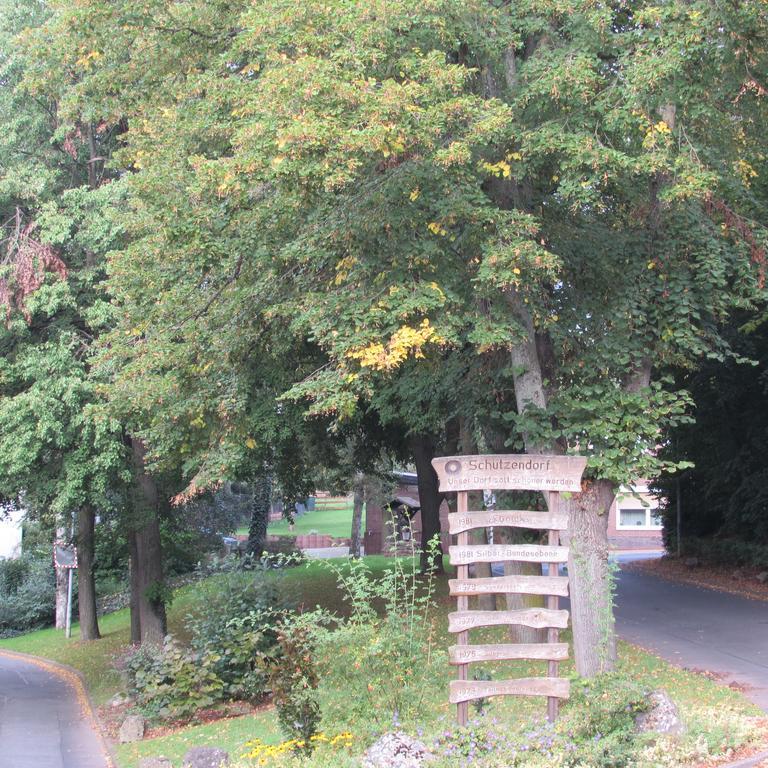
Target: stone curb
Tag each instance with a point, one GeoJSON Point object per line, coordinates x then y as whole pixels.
{"type": "Point", "coordinates": [74, 678]}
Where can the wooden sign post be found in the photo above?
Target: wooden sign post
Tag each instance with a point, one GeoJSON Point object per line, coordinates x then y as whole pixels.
{"type": "Point", "coordinates": [552, 475]}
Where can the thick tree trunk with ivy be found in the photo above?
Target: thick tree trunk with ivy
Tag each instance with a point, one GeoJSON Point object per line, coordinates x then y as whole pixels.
{"type": "Point", "coordinates": [591, 580]}
{"type": "Point", "coordinates": [135, 586]}
{"type": "Point", "coordinates": [355, 538]}
{"type": "Point", "coordinates": [149, 553]}
{"type": "Point", "coordinates": [86, 585]}
{"type": "Point", "coordinates": [261, 499]}
{"type": "Point", "coordinates": [594, 641]}
{"type": "Point", "coordinates": [423, 451]}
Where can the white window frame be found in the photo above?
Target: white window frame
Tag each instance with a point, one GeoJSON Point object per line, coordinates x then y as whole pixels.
{"type": "Point", "coordinates": [627, 499]}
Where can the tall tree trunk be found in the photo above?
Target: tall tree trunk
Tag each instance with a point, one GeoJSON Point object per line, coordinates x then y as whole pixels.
{"type": "Point", "coordinates": [594, 641]}
{"type": "Point", "coordinates": [357, 515]}
{"type": "Point", "coordinates": [519, 633]}
{"type": "Point", "coordinates": [149, 553]}
{"type": "Point", "coordinates": [423, 451]}
{"type": "Point", "coordinates": [483, 571]}
{"type": "Point", "coordinates": [135, 583]}
{"type": "Point", "coordinates": [261, 498]}
{"type": "Point", "coordinates": [86, 584]}
{"type": "Point", "coordinates": [591, 580]}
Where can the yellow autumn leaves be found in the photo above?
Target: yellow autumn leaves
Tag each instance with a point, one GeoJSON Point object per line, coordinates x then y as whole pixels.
{"type": "Point", "coordinates": [406, 340]}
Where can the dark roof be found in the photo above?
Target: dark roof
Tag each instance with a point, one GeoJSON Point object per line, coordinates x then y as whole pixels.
{"type": "Point", "coordinates": [408, 501]}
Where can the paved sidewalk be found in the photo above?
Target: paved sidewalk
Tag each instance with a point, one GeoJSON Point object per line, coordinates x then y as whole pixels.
{"type": "Point", "coordinates": [45, 721]}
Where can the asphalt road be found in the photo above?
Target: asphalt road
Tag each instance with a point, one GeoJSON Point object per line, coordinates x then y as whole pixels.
{"type": "Point", "coordinates": [698, 629]}
{"type": "Point", "coordinates": [42, 724]}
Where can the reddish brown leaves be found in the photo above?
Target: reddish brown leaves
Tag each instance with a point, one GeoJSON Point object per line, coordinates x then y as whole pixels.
{"type": "Point", "coordinates": [739, 226]}
{"type": "Point", "coordinates": [24, 264]}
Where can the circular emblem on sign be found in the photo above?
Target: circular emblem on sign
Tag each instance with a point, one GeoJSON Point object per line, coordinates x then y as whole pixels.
{"type": "Point", "coordinates": [452, 467]}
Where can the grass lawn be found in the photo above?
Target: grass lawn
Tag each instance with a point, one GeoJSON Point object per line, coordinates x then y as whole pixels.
{"type": "Point", "coordinates": [314, 584]}
{"type": "Point", "coordinates": [333, 518]}
{"type": "Point", "coordinates": [95, 660]}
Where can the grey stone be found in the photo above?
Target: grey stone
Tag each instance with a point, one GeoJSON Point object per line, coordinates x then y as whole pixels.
{"type": "Point", "coordinates": [662, 717]}
{"type": "Point", "coordinates": [155, 762]}
{"type": "Point", "coordinates": [762, 577]}
{"type": "Point", "coordinates": [205, 757]}
{"type": "Point", "coordinates": [737, 574]}
{"type": "Point", "coordinates": [131, 730]}
{"type": "Point", "coordinates": [397, 750]}
{"type": "Point", "coordinates": [691, 562]}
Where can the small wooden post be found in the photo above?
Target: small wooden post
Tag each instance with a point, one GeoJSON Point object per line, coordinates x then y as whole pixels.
{"type": "Point", "coordinates": [553, 603]}
{"type": "Point", "coordinates": [462, 604]}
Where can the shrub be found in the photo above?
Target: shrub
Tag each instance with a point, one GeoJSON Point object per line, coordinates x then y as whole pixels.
{"type": "Point", "coordinates": [233, 620]}
{"type": "Point", "coordinates": [27, 593]}
{"type": "Point", "coordinates": [294, 681]}
{"type": "Point", "coordinates": [172, 682]}
{"type": "Point", "coordinates": [233, 641]}
{"type": "Point", "coordinates": [728, 552]}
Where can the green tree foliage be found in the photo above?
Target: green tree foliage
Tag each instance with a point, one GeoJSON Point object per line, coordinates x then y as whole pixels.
{"type": "Point", "coordinates": [724, 495]}
{"type": "Point", "coordinates": [522, 212]}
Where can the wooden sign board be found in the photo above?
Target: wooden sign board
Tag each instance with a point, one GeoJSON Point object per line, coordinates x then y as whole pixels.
{"type": "Point", "coordinates": [466, 654]}
{"type": "Point", "coordinates": [507, 518]}
{"type": "Point", "coordinates": [498, 553]}
{"type": "Point", "coordinates": [552, 475]}
{"type": "Point", "coordinates": [467, 690]}
{"type": "Point", "coordinates": [514, 585]}
{"type": "Point", "coordinates": [538, 618]}
{"type": "Point", "coordinates": [528, 472]}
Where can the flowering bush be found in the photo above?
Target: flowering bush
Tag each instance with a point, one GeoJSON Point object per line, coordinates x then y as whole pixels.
{"type": "Point", "coordinates": [595, 730]}
{"type": "Point", "coordinates": [264, 754]}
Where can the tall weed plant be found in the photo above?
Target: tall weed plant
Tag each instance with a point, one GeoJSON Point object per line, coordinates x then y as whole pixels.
{"type": "Point", "coordinates": [383, 654]}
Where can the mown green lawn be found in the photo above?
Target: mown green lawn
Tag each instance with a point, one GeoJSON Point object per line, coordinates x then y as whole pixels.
{"type": "Point", "coordinates": [333, 519]}
{"type": "Point", "coordinates": [315, 584]}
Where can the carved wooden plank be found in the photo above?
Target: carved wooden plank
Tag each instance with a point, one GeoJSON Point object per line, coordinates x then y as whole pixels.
{"type": "Point", "coordinates": [519, 585]}
{"type": "Point", "coordinates": [510, 471]}
{"type": "Point", "coordinates": [460, 621]}
{"type": "Point", "coordinates": [465, 654]}
{"type": "Point", "coordinates": [497, 553]}
{"type": "Point", "coordinates": [509, 518]}
{"type": "Point", "coordinates": [466, 690]}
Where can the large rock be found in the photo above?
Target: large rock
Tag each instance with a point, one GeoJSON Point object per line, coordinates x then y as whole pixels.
{"type": "Point", "coordinates": [397, 750]}
{"type": "Point", "coordinates": [205, 757]}
{"type": "Point", "coordinates": [662, 717]}
{"type": "Point", "coordinates": [762, 577]}
{"type": "Point", "coordinates": [155, 762]}
{"type": "Point", "coordinates": [132, 729]}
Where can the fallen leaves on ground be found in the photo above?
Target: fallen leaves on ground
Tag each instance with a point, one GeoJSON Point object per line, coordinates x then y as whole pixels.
{"type": "Point", "coordinates": [735, 581]}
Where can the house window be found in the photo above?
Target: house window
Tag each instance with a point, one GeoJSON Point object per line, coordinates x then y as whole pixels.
{"type": "Point", "coordinates": [634, 516]}
{"type": "Point", "coordinates": [630, 518]}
